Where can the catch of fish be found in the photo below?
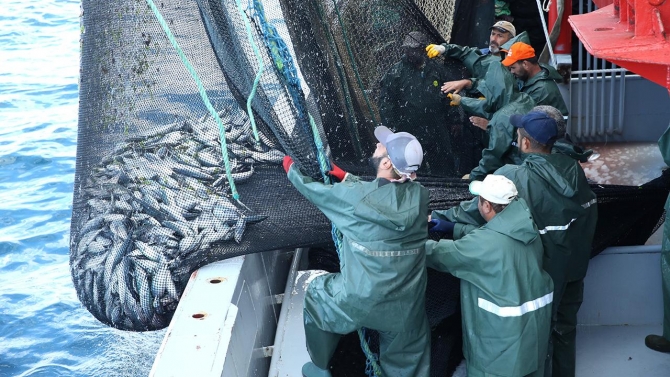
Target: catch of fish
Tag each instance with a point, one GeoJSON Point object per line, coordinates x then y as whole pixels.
{"type": "Point", "coordinates": [154, 206]}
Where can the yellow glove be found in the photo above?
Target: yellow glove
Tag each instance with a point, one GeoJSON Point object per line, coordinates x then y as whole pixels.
{"type": "Point", "coordinates": [455, 99]}
{"type": "Point", "coordinates": [434, 51]}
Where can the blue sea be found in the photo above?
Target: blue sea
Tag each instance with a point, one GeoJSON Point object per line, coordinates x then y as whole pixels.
{"type": "Point", "coordinates": [44, 329]}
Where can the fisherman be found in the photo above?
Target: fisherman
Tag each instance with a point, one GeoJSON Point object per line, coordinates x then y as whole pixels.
{"type": "Point", "coordinates": [410, 101]}
{"type": "Point", "coordinates": [661, 343]}
{"type": "Point", "coordinates": [564, 209]}
{"type": "Point", "coordinates": [506, 296]}
{"type": "Point", "coordinates": [536, 79]}
{"type": "Point", "coordinates": [502, 99]}
{"type": "Point", "coordinates": [475, 60]}
{"type": "Point", "coordinates": [382, 281]}
{"type": "Point", "coordinates": [503, 35]}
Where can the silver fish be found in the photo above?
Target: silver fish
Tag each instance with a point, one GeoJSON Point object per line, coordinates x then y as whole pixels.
{"type": "Point", "coordinates": [189, 244]}
{"type": "Point", "coordinates": [240, 226]}
{"type": "Point", "coordinates": [180, 227]}
{"type": "Point", "coordinates": [118, 229]}
{"type": "Point", "coordinates": [94, 223]}
{"type": "Point", "coordinates": [86, 239]}
{"type": "Point", "coordinates": [192, 172]}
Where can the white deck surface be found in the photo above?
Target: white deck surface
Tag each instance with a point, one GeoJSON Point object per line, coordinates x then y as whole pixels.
{"type": "Point", "coordinates": [619, 351]}
{"type": "Point", "coordinates": [290, 352]}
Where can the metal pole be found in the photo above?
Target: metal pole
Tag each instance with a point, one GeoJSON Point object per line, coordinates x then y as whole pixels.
{"type": "Point", "coordinates": [602, 99]}
{"type": "Point", "coordinates": [610, 117]}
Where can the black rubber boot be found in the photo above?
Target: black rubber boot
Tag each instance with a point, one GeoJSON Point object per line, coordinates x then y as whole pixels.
{"type": "Point", "coordinates": [657, 343]}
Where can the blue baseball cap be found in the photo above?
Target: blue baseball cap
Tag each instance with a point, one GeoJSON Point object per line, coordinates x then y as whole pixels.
{"type": "Point", "coordinates": [539, 126]}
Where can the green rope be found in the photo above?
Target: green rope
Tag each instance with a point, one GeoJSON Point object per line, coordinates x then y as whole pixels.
{"type": "Point", "coordinates": [203, 95]}
{"type": "Point", "coordinates": [261, 68]}
{"type": "Point", "coordinates": [371, 359]}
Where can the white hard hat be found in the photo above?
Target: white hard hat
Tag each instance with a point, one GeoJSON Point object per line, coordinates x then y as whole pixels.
{"type": "Point", "coordinates": [403, 149]}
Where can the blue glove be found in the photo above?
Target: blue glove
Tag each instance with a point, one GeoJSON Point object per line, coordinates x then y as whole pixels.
{"type": "Point", "coordinates": [444, 226]}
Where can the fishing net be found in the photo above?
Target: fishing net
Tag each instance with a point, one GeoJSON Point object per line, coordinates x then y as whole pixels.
{"type": "Point", "coordinates": [188, 107]}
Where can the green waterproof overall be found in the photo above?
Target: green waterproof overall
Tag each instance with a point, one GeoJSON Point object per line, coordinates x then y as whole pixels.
{"type": "Point", "coordinates": [565, 211]}
{"type": "Point", "coordinates": [382, 281]}
{"type": "Point", "coordinates": [506, 296]}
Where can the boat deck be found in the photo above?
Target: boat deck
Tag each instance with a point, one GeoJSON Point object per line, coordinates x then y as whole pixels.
{"type": "Point", "coordinates": [232, 335]}
{"type": "Point", "coordinates": [619, 351]}
{"type": "Point", "coordinates": [629, 164]}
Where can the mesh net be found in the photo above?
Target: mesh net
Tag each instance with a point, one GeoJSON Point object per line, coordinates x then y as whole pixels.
{"type": "Point", "coordinates": [159, 192]}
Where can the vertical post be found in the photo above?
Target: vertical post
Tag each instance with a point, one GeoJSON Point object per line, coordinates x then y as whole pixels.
{"type": "Point", "coordinates": [562, 48]}
{"type": "Point", "coordinates": [563, 44]}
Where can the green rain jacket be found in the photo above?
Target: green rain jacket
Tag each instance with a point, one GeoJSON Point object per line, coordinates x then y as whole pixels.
{"type": "Point", "coordinates": [505, 295]}
{"type": "Point", "coordinates": [543, 90]}
{"type": "Point", "coordinates": [502, 99]}
{"type": "Point", "coordinates": [664, 146]}
{"type": "Point", "coordinates": [568, 147]}
{"type": "Point", "coordinates": [563, 207]}
{"type": "Point", "coordinates": [382, 282]}
{"type": "Point", "coordinates": [475, 61]}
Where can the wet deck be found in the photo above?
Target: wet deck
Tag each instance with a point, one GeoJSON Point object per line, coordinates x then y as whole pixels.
{"type": "Point", "coordinates": [630, 164]}
{"type": "Point", "coordinates": [624, 163]}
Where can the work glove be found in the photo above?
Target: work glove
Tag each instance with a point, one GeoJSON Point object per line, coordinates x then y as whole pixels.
{"type": "Point", "coordinates": [337, 173]}
{"type": "Point", "coordinates": [434, 51]}
{"type": "Point", "coordinates": [444, 226]}
{"type": "Point", "coordinates": [288, 161]}
{"type": "Point", "coordinates": [455, 99]}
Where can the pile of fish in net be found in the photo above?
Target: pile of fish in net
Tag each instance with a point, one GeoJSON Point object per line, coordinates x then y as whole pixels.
{"type": "Point", "coordinates": [154, 201]}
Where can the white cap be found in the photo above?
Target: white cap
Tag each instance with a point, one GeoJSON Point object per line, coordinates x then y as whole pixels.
{"type": "Point", "coordinates": [495, 188]}
{"type": "Point", "coordinates": [403, 149]}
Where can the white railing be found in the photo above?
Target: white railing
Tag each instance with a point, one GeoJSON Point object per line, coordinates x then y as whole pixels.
{"type": "Point", "coordinates": [597, 101]}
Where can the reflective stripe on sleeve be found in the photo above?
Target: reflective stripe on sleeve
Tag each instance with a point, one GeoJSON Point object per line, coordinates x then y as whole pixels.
{"type": "Point", "coordinates": [590, 203]}
{"type": "Point", "coordinates": [516, 311]}
{"type": "Point", "coordinates": [556, 227]}
{"type": "Point", "coordinates": [387, 253]}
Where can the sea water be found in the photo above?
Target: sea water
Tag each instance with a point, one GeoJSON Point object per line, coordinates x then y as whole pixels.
{"type": "Point", "coordinates": [44, 329]}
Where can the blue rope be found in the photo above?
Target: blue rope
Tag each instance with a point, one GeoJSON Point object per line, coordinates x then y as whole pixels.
{"type": "Point", "coordinates": [282, 59]}
{"type": "Point", "coordinates": [261, 68]}
{"type": "Point", "coordinates": [203, 95]}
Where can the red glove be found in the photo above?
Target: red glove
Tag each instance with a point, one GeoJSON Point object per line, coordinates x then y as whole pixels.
{"type": "Point", "coordinates": [288, 161]}
{"type": "Point", "coordinates": [337, 173]}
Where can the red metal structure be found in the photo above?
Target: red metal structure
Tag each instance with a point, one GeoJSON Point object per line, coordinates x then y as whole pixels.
{"type": "Point", "coordinates": [632, 34]}
{"type": "Point", "coordinates": [563, 44]}
{"type": "Point", "coordinates": [602, 3]}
